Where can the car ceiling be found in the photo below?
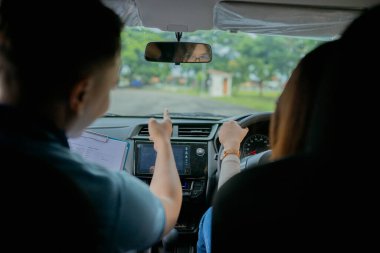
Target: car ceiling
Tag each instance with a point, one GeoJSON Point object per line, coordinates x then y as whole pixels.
{"type": "Point", "coordinates": [191, 15]}
{"type": "Point", "coordinates": [304, 18]}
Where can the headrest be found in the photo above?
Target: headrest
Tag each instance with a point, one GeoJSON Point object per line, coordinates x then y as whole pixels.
{"type": "Point", "coordinates": [346, 100]}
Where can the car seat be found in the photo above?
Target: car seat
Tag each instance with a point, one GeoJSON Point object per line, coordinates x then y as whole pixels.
{"type": "Point", "coordinates": [324, 197]}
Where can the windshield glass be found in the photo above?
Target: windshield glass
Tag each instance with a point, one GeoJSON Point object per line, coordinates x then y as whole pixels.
{"type": "Point", "coordinates": [247, 74]}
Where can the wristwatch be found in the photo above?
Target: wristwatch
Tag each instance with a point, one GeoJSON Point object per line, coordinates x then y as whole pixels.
{"type": "Point", "coordinates": [230, 152]}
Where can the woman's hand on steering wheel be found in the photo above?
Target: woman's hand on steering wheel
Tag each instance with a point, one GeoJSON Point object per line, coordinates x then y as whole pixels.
{"type": "Point", "coordinates": [231, 135]}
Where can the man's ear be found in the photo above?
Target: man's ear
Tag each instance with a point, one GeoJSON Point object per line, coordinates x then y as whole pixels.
{"type": "Point", "coordinates": [77, 96]}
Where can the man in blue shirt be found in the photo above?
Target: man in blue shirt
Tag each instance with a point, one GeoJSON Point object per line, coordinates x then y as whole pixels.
{"type": "Point", "coordinates": [53, 84]}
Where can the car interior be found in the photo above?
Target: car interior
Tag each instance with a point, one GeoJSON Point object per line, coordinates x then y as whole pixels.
{"type": "Point", "coordinates": [123, 136]}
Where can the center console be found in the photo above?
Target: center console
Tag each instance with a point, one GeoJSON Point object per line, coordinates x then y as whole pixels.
{"type": "Point", "coordinates": [190, 158]}
{"type": "Point", "coordinates": [191, 161]}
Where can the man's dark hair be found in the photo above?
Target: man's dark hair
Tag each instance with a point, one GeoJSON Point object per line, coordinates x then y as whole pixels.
{"type": "Point", "coordinates": [51, 45]}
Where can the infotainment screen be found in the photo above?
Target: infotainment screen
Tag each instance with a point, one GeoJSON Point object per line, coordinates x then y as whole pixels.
{"type": "Point", "coordinates": [146, 157]}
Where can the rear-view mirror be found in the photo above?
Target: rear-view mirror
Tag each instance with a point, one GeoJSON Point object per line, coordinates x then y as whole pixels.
{"type": "Point", "coordinates": [178, 52]}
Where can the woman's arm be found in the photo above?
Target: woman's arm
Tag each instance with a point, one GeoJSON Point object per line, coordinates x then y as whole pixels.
{"type": "Point", "coordinates": [230, 135]}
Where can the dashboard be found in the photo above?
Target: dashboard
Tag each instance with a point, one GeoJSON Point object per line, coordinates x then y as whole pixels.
{"type": "Point", "coordinates": [257, 139]}
{"type": "Point", "coordinates": [195, 146]}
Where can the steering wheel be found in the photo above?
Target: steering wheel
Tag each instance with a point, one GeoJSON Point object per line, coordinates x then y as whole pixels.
{"type": "Point", "coordinates": [252, 160]}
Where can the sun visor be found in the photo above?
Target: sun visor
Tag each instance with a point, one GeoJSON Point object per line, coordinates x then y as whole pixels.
{"type": "Point", "coordinates": [126, 9]}
{"type": "Point", "coordinates": [288, 20]}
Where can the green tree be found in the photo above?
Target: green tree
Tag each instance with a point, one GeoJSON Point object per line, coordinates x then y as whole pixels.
{"type": "Point", "coordinates": [133, 48]}
{"type": "Point", "coordinates": [268, 56]}
{"type": "Point", "coordinates": [243, 55]}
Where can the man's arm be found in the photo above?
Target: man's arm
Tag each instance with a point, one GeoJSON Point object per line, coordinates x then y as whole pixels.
{"type": "Point", "coordinates": [165, 183]}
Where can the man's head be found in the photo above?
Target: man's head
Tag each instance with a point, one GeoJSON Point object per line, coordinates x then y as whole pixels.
{"type": "Point", "coordinates": [59, 52]}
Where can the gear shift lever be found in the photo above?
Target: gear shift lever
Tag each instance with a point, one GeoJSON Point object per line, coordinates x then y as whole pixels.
{"type": "Point", "coordinates": [169, 241]}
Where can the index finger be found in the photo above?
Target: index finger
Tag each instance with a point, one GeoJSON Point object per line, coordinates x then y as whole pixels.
{"type": "Point", "coordinates": [166, 114]}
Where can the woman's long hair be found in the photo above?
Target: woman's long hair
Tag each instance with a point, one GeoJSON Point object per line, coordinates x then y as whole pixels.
{"type": "Point", "coordinates": [291, 119]}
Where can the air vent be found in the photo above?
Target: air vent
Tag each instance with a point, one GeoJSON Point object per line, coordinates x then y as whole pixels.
{"type": "Point", "coordinates": [144, 131]}
{"type": "Point", "coordinates": [194, 130]}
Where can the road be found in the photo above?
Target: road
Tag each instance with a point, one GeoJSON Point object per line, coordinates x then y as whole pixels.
{"type": "Point", "coordinates": [143, 102]}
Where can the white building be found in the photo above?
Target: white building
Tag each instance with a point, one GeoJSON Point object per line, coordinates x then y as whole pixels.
{"type": "Point", "coordinates": [220, 83]}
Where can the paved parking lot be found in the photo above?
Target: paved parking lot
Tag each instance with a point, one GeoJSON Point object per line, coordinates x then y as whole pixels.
{"type": "Point", "coordinates": [143, 102]}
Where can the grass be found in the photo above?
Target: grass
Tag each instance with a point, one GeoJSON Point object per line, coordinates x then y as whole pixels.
{"type": "Point", "coordinates": [253, 100]}
{"type": "Point", "coordinates": [248, 99]}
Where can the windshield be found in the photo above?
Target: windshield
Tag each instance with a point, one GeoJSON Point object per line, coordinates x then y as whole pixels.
{"type": "Point", "coordinates": [246, 75]}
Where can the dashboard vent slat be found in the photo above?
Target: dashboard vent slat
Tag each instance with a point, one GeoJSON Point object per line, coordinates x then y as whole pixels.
{"type": "Point", "coordinates": [144, 131]}
{"type": "Point", "coordinates": [194, 130]}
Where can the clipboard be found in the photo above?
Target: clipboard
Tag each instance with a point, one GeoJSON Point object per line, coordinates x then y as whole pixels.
{"type": "Point", "coordinates": [95, 136]}
{"type": "Point", "coordinates": [100, 149]}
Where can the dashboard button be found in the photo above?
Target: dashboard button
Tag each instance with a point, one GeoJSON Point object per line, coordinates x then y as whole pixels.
{"type": "Point", "coordinates": [200, 152]}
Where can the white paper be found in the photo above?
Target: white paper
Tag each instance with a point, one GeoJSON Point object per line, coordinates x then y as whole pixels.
{"type": "Point", "coordinates": [100, 149]}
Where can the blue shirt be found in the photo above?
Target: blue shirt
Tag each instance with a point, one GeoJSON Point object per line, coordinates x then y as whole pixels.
{"type": "Point", "coordinates": [130, 216]}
